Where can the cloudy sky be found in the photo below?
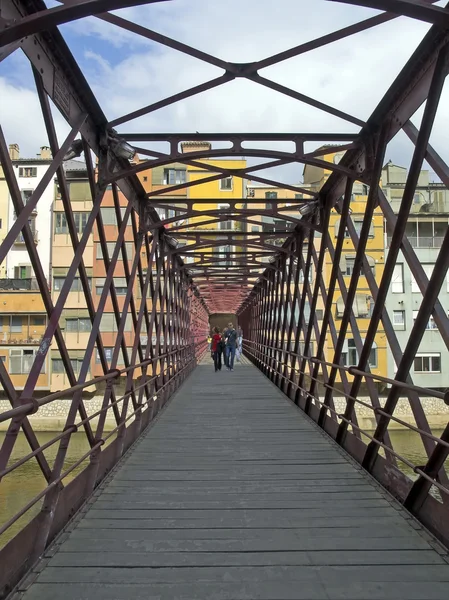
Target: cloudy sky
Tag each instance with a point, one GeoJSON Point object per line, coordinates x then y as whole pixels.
{"type": "Point", "coordinates": [128, 72]}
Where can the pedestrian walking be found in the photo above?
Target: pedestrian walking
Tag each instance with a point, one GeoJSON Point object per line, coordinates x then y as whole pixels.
{"type": "Point", "coordinates": [217, 349]}
{"type": "Point", "coordinates": [231, 344]}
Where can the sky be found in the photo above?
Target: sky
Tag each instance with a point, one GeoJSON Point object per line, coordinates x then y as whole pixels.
{"type": "Point", "coordinates": [127, 72]}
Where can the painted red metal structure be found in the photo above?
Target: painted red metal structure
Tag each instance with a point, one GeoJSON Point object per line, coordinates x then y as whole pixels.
{"type": "Point", "coordinates": [269, 297]}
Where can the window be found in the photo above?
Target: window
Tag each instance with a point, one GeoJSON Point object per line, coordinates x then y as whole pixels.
{"type": "Point", "coordinates": [16, 324]}
{"type": "Point", "coordinates": [431, 323]}
{"type": "Point", "coordinates": [225, 225]}
{"type": "Point", "coordinates": [120, 285]}
{"type": "Point", "coordinates": [108, 323]}
{"type": "Point", "coordinates": [427, 363]}
{"type": "Point", "coordinates": [350, 356]}
{"type": "Point", "coordinates": [38, 321]}
{"type": "Point", "coordinates": [21, 360]}
{"type": "Point", "coordinates": [22, 272]}
{"type": "Point", "coordinates": [271, 195]}
{"type": "Point", "coordinates": [319, 314]}
{"type": "Point", "coordinates": [28, 172]}
{"type": "Point", "coordinates": [78, 325]}
{"type": "Point", "coordinates": [80, 219]}
{"type": "Point", "coordinates": [418, 198]}
{"type": "Point", "coordinates": [223, 252]}
{"type": "Point", "coordinates": [255, 229]}
{"type": "Point", "coordinates": [397, 281]}
{"type": "Point", "coordinates": [111, 247]}
{"type": "Point", "coordinates": [399, 319]}
{"type": "Point", "coordinates": [362, 306]}
{"type": "Point", "coordinates": [61, 223]}
{"type": "Point", "coordinates": [347, 265]}
{"type": "Point", "coordinates": [301, 276]}
{"type": "Point", "coordinates": [298, 196]}
{"type": "Point", "coordinates": [174, 176]}
{"type": "Point", "coordinates": [26, 195]}
{"type": "Point", "coordinates": [350, 262]}
{"type": "Point", "coordinates": [358, 227]}
{"type": "Point", "coordinates": [58, 282]}
{"type": "Point", "coordinates": [226, 184]}
{"type": "Point", "coordinates": [107, 353]}
{"type": "Point", "coordinates": [57, 365]}
{"type": "Point", "coordinates": [428, 270]}
{"type": "Point", "coordinates": [108, 215]}
{"type": "Point", "coordinates": [358, 223]}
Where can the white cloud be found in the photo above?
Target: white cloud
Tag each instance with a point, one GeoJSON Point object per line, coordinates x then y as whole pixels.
{"type": "Point", "coordinates": [21, 119]}
{"type": "Point", "coordinates": [352, 74]}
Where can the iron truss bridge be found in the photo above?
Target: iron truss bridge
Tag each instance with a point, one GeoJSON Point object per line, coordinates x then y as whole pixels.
{"type": "Point", "coordinates": [266, 483]}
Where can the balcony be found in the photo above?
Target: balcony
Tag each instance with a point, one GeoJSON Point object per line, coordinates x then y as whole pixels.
{"type": "Point", "coordinates": [422, 242]}
{"type": "Point", "coordinates": [20, 240]}
{"type": "Point", "coordinates": [18, 284]}
{"type": "Point", "coordinates": [18, 339]}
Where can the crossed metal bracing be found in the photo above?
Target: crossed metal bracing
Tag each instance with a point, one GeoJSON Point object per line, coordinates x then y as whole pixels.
{"type": "Point", "coordinates": [176, 277]}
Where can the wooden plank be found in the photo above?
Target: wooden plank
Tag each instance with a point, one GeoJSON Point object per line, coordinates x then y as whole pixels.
{"type": "Point", "coordinates": [234, 494]}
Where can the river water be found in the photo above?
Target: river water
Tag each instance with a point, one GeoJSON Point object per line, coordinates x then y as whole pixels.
{"type": "Point", "coordinates": [20, 486]}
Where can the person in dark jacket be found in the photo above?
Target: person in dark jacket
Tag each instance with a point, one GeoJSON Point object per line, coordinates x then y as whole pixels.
{"type": "Point", "coordinates": [231, 345]}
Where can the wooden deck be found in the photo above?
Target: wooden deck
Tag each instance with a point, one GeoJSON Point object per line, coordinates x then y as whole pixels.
{"type": "Point", "coordinates": [234, 494]}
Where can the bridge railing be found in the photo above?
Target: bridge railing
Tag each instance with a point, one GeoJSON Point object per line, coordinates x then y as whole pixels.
{"type": "Point", "coordinates": [72, 485]}
{"type": "Point", "coordinates": [422, 489]}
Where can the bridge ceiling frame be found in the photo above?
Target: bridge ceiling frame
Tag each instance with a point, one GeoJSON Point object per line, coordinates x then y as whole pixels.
{"type": "Point", "coordinates": [271, 279]}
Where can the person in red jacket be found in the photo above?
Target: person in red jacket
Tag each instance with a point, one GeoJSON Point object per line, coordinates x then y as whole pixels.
{"type": "Point", "coordinates": [217, 349]}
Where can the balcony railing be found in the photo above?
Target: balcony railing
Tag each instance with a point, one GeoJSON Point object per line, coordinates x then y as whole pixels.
{"type": "Point", "coordinates": [21, 240]}
{"type": "Point", "coordinates": [422, 242]}
{"type": "Point", "coordinates": [19, 339]}
{"type": "Point", "coordinates": [18, 284]}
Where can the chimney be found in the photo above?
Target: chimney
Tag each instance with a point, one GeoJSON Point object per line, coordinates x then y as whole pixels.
{"type": "Point", "coordinates": [195, 147]}
{"type": "Point", "coordinates": [14, 153]}
{"type": "Point", "coordinates": [45, 153]}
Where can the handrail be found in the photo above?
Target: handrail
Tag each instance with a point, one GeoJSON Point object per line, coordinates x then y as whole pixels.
{"type": "Point", "coordinates": [30, 407]}
{"type": "Point", "coordinates": [355, 371]}
{"type": "Point", "coordinates": [99, 443]}
{"type": "Point", "coordinates": [417, 469]}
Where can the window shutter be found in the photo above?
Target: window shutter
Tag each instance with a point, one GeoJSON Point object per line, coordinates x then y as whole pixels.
{"type": "Point", "coordinates": [337, 227]}
{"type": "Point", "coordinates": [340, 306]}
{"type": "Point", "coordinates": [362, 305]}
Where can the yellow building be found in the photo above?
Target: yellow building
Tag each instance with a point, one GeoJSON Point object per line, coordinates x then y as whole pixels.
{"type": "Point", "coordinates": [315, 177]}
{"type": "Point", "coordinates": [22, 324]}
{"type": "Point", "coordinates": [286, 203]}
{"type": "Point", "coordinates": [220, 192]}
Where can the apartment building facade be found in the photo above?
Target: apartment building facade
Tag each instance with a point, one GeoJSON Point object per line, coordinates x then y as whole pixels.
{"type": "Point", "coordinates": [425, 231]}
{"type": "Point", "coordinates": [314, 178]}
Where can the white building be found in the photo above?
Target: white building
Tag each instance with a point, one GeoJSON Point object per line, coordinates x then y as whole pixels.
{"type": "Point", "coordinates": [29, 172]}
{"type": "Point", "coordinates": [426, 228]}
